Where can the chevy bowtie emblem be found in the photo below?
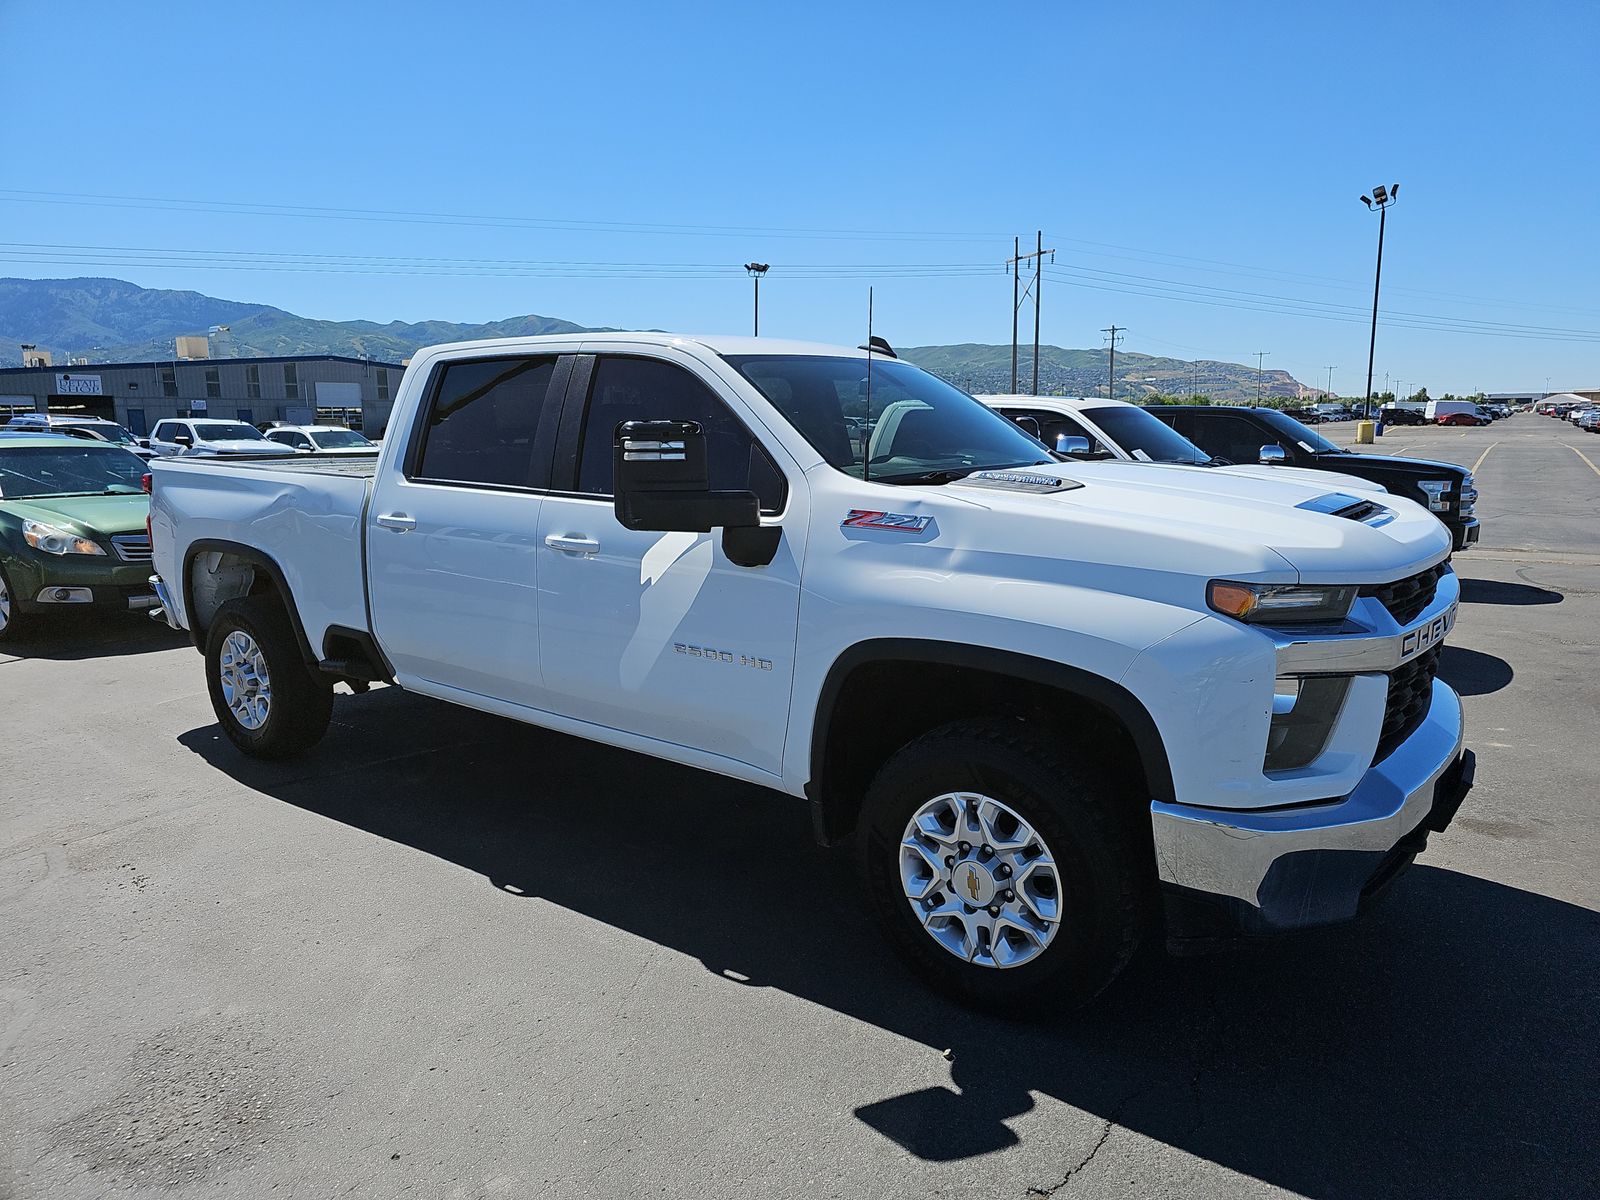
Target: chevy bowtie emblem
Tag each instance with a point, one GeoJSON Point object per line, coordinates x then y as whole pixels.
{"type": "Point", "coordinates": [972, 883]}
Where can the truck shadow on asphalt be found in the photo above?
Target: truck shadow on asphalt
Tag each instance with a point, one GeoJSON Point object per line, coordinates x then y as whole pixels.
{"type": "Point", "coordinates": [1442, 1047]}
{"type": "Point", "coordinates": [1496, 591]}
{"type": "Point", "coordinates": [70, 636]}
{"type": "Point", "coordinates": [1472, 672]}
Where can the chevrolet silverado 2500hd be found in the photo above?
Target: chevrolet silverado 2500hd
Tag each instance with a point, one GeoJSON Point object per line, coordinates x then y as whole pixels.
{"type": "Point", "coordinates": [1051, 703]}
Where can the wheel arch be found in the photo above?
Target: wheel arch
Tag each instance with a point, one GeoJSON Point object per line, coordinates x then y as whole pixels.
{"type": "Point", "coordinates": [259, 562]}
{"type": "Point", "coordinates": [860, 721]}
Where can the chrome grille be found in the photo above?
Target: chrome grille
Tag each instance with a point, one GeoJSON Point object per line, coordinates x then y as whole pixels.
{"type": "Point", "coordinates": [132, 547]}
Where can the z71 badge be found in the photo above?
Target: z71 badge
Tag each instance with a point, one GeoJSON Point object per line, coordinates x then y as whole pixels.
{"type": "Point", "coordinates": [861, 518]}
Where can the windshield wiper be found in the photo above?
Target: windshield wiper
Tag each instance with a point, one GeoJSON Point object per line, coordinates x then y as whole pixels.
{"type": "Point", "coordinates": [946, 475]}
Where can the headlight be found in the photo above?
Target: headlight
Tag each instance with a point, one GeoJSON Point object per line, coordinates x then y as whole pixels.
{"type": "Point", "coordinates": [1437, 491]}
{"type": "Point", "coordinates": [1269, 603]}
{"type": "Point", "coordinates": [50, 540]}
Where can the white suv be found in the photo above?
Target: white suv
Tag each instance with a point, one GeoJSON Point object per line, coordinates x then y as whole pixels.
{"type": "Point", "coordinates": [323, 439]}
{"type": "Point", "coordinates": [209, 436]}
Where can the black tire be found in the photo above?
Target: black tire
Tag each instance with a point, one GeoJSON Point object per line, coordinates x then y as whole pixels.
{"type": "Point", "coordinates": [13, 621]}
{"type": "Point", "coordinates": [1106, 881]}
{"type": "Point", "coordinates": [300, 705]}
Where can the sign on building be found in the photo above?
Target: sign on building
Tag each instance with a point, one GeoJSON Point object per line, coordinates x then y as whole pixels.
{"type": "Point", "coordinates": [78, 385]}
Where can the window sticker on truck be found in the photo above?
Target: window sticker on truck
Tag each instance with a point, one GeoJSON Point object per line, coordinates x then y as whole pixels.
{"type": "Point", "coordinates": [861, 518]}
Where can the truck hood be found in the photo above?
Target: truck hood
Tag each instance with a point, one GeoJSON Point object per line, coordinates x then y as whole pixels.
{"type": "Point", "coordinates": [241, 446]}
{"type": "Point", "coordinates": [1314, 479]}
{"type": "Point", "coordinates": [1219, 523]}
{"type": "Point", "coordinates": [1382, 467]}
{"type": "Point", "coordinates": [85, 516]}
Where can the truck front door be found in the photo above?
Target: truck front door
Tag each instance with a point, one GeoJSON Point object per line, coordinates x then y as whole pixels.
{"type": "Point", "coordinates": [453, 529]}
{"type": "Point", "coordinates": [660, 634]}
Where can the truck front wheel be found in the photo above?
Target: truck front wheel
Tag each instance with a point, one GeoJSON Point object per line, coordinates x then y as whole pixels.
{"type": "Point", "coordinates": [266, 699]}
{"type": "Point", "coordinates": [1006, 873]}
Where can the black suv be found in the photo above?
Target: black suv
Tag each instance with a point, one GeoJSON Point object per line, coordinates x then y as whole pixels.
{"type": "Point", "coordinates": [1265, 435]}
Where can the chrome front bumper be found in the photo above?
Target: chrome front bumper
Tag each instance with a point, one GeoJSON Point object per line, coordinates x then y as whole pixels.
{"type": "Point", "coordinates": [1312, 864]}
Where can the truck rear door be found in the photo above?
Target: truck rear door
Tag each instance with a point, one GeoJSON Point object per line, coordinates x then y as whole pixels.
{"type": "Point", "coordinates": [453, 527]}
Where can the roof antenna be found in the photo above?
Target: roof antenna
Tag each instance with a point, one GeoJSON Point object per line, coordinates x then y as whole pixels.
{"type": "Point", "coordinates": [866, 447]}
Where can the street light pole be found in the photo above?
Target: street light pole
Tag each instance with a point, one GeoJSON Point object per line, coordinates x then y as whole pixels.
{"type": "Point", "coordinates": [1380, 199]}
{"type": "Point", "coordinates": [1261, 356]}
{"type": "Point", "coordinates": [757, 270]}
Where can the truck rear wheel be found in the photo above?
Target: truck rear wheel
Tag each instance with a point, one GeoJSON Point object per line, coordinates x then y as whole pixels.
{"type": "Point", "coordinates": [267, 700]}
{"type": "Point", "coordinates": [1006, 874]}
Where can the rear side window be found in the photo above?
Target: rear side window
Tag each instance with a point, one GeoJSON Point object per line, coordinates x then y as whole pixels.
{"type": "Point", "coordinates": [646, 389]}
{"type": "Point", "coordinates": [483, 421]}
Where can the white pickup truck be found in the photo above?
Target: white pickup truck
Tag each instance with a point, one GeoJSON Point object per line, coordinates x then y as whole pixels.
{"type": "Point", "coordinates": [1056, 705]}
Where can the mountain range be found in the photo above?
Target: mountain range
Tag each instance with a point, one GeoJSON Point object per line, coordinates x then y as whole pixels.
{"type": "Point", "coordinates": [111, 320]}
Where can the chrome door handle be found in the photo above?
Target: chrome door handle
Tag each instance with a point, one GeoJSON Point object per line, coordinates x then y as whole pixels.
{"type": "Point", "coordinates": [398, 522]}
{"type": "Point", "coordinates": [571, 543]}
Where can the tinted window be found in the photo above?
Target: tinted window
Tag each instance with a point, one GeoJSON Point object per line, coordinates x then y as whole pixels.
{"type": "Point", "coordinates": [1233, 438]}
{"type": "Point", "coordinates": [1143, 436]}
{"type": "Point", "coordinates": [484, 419]}
{"type": "Point", "coordinates": [644, 389]}
{"type": "Point", "coordinates": [164, 431]}
{"type": "Point", "coordinates": [897, 424]}
{"type": "Point", "coordinates": [227, 431]}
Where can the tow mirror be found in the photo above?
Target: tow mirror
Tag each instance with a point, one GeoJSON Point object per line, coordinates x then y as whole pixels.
{"type": "Point", "coordinates": [1272, 456]}
{"type": "Point", "coordinates": [1066, 443]}
{"type": "Point", "coordinates": [662, 483]}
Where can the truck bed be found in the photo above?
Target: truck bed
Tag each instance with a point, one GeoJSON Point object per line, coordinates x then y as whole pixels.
{"type": "Point", "coordinates": [301, 519]}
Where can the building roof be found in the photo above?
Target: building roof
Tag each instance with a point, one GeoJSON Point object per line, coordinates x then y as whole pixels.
{"type": "Point", "coordinates": [86, 368]}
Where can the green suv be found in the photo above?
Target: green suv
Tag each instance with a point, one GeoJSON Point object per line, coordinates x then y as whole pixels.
{"type": "Point", "coordinates": [72, 528]}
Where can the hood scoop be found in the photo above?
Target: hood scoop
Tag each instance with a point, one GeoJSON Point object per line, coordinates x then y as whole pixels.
{"type": "Point", "coordinates": [1351, 508]}
{"type": "Point", "coordinates": [1019, 480]}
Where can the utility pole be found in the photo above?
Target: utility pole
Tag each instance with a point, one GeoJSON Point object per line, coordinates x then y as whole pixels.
{"type": "Point", "coordinates": [757, 270]}
{"type": "Point", "coordinates": [1015, 263]}
{"type": "Point", "coordinates": [1329, 392]}
{"type": "Point", "coordinates": [1111, 365]}
{"type": "Point", "coordinates": [1260, 378]}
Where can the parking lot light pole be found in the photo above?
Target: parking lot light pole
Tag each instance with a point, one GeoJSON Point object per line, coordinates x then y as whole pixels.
{"type": "Point", "coordinates": [757, 270]}
{"type": "Point", "coordinates": [1380, 199]}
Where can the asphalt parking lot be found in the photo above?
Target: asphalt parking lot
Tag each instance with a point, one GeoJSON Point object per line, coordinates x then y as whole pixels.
{"type": "Point", "coordinates": [450, 956]}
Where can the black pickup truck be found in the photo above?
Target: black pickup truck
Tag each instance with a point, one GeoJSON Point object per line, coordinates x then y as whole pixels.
{"type": "Point", "coordinates": [1265, 435]}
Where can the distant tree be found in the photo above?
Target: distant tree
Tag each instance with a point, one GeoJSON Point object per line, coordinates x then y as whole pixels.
{"type": "Point", "coordinates": [1421, 394]}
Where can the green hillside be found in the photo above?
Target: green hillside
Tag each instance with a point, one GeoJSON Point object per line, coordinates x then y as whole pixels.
{"type": "Point", "coordinates": [109, 320]}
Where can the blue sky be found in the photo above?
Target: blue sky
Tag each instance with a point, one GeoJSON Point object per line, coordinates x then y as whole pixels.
{"type": "Point", "coordinates": [1195, 166]}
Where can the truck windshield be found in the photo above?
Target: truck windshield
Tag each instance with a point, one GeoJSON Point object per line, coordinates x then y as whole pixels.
{"type": "Point", "coordinates": [1143, 435]}
{"type": "Point", "coordinates": [227, 431]}
{"type": "Point", "coordinates": [1288, 429]}
{"type": "Point", "coordinates": [915, 428]}
{"type": "Point", "coordinates": [27, 473]}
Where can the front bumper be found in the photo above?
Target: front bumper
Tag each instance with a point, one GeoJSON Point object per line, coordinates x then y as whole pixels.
{"type": "Point", "coordinates": [1228, 872]}
{"type": "Point", "coordinates": [113, 583]}
{"type": "Point", "coordinates": [1465, 533]}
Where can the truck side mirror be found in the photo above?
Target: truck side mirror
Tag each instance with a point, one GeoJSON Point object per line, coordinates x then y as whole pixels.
{"type": "Point", "coordinates": [1066, 443]}
{"type": "Point", "coordinates": [182, 439]}
{"type": "Point", "coordinates": [1029, 426]}
{"type": "Point", "coordinates": [1273, 456]}
{"type": "Point", "coordinates": [662, 481]}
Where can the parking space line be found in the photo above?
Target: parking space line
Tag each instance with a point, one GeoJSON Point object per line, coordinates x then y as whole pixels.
{"type": "Point", "coordinates": [1483, 456]}
{"type": "Point", "coordinates": [1583, 456]}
